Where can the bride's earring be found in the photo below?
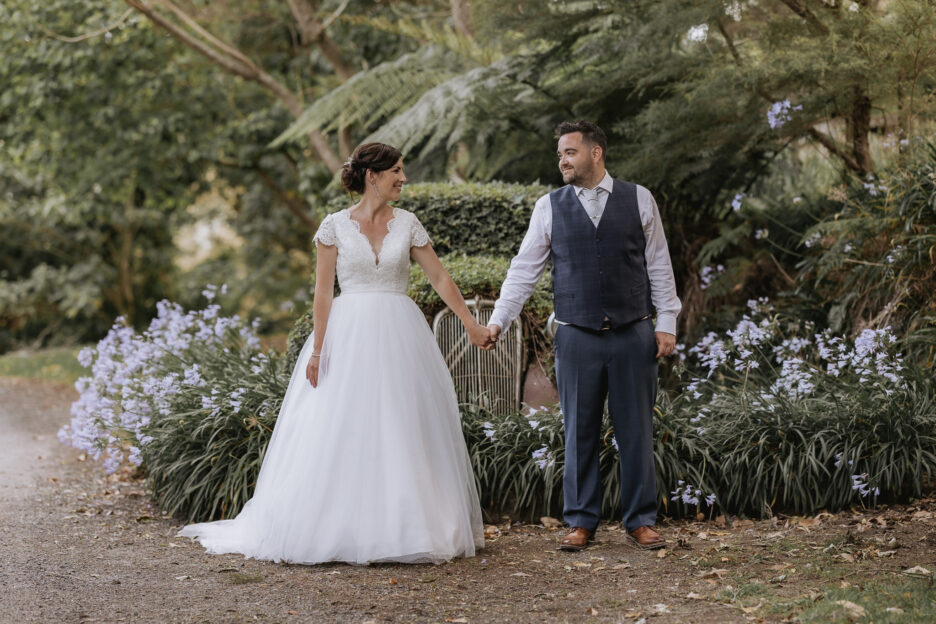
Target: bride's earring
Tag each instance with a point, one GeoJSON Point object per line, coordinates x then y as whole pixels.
{"type": "Point", "coordinates": [374, 185]}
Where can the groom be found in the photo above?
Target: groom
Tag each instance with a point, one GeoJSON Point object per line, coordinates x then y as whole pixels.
{"type": "Point", "coordinates": [611, 269]}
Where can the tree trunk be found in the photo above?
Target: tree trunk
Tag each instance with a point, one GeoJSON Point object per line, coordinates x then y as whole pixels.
{"type": "Point", "coordinates": [461, 16]}
{"type": "Point", "coordinates": [859, 130]}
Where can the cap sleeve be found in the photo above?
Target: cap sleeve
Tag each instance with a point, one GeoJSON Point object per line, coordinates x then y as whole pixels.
{"type": "Point", "coordinates": [419, 237]}
{"type": "Point", "coordinates": [326, 232]}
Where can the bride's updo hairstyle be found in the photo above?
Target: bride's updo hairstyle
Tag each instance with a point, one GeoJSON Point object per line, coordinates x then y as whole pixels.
{"type": "Point", "coordinates": [374, 156]}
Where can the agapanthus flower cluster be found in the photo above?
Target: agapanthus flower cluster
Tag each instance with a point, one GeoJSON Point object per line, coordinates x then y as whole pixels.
{"type": "Point", "coordinates": [489, 431]}
{"type": "Point", "coordinates": [692, 495]}
{"type": "Point", "coordinates": [135, 376]}
{"type": "Point", "coordinates": [543, 458]}
{"type": "Point", "coordinates": [870, 357]}
{"type": "Point", "coordinates": [860, 485]}
{"type": "Point", "coordinates": [708, 273]}
{"type": "Point", "coordinates": [791, 359]}
{"type": "Point", "coordinates": [779, 113]}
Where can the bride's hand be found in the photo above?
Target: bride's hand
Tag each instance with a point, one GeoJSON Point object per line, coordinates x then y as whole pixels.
{"type": "Point", "coordinates": [312, 370]}
{"type": "Point", "coordinates": [480, 336]}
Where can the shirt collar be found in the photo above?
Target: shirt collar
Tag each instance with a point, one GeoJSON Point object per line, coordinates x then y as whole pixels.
{"type": "Point", "coordinates": [606, 184]}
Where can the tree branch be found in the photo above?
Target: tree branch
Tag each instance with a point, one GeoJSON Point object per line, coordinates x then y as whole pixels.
{"type": "Point", "coordinates": [828, 143]}
{"type": "Point", "coordinates": [803, 11]}
{"type": "Point", "coordinates": [313, 31]}
{"type": "Point", "coordinates": [729, 41]}
{"type": "Point", "coordinates": [191, 23]}
{"type": "Point", "coordinates": [237, 63]}
{"type": "Point", "coordinates": [90, 35]}
{"type": "Point", "coordinates": [461, 16]}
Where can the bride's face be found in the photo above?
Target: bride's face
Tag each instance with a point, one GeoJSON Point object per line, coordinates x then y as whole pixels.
{"type": "Point", "coordinates": [390, 182]}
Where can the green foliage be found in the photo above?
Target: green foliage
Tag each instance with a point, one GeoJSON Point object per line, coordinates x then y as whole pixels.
{"type": "Point", "coordinates": [871, 256]}
{"type": "Point", "coordinates": [469, 218]}
{"type": "Point", "coordinates": [753, 433]}
{"type": "Point", "coordinates": [480, 277]}
{"type": "Point", "coordinates": [204, 456]}
{"type": "Point", "coordinates": [300, 332]}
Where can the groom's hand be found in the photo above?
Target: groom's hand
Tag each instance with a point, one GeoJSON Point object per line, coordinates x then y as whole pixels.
{"type": "Point", "coordinates": [494, 332]}
{"type": "Point", "coordinates": [666, 344]}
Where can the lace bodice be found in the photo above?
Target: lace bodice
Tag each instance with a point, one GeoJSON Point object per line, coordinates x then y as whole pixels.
{"type": "Point", "coordinates": [359, 268]}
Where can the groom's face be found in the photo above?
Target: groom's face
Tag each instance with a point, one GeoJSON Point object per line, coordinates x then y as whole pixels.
{"type": "Point", "coordinates": [577, 159]}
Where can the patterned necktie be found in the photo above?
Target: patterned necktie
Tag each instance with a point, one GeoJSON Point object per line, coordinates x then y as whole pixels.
{"type": "Point", "coordinates": [592, 207]}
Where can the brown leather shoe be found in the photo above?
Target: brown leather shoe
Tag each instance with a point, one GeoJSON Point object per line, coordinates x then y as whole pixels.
{"type": "Point", "coordinates": [576, 539]}
{"type": "Point", "coordinates": [646, 538]}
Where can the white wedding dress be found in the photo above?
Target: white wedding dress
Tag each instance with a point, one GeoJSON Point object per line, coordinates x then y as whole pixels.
{"type": "Point", "coordinates": [371, 465]}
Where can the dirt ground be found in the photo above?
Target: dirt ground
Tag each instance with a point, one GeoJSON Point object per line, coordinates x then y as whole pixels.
{"type": "Point", "coordinates": [76, 546]}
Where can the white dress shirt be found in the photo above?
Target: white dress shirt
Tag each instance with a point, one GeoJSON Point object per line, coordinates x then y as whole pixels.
{"type": "Point", "coordinates": [528, 265]}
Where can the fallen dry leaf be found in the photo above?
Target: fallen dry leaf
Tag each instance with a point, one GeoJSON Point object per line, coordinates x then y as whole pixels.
{"type": "Point", "coordinates": [809, 522]}
{"type": "Point", "coordinates": [519, 574]}
{"type": "Point", "coordinates": [621, 566]}
{"type": "Point", "coordinates": [581, 564]}
{"type": "Point", "coordinates": [918, 570]}
{"type": "Point", "coordinates": [292, 613]}
{"type": "Point", "coordinates": [458, 620]}
{"type": "Point", "coordinates": [550, 523]}
{"type": "Point", "coordinates": [850, 558]}
{"type": "Point", "coordinates": [592, 611]}
{"type": "Point", "coordinates": [897, 610]}
{"type": "Point", "coordinates": [714, 573]}
{"type": "Point", "coordinates": [661, 553]}
{"type": "Point", "coordinates": [392, 581]}
{"type": "Point", "coordinates": [752, 609]}
{"type": "Point", "coordinates": [694, 596]}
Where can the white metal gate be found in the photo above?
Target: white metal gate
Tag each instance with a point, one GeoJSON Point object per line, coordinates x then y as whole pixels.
{"type": "Point", "coordinates": [489, 378]}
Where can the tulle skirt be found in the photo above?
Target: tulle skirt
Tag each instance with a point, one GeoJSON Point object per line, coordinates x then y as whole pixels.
{"type": "Point", "coordinates": [369, 466]}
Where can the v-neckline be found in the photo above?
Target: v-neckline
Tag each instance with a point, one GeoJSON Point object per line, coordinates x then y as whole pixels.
{"type": "Point", "coordinates": [357, 226]}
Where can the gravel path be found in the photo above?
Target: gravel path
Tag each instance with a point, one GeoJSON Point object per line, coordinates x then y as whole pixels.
{"type": "Point", "coordinates": [77, 546]}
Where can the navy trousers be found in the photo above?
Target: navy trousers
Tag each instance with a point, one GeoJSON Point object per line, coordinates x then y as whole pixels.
{"type": "Point", "coordinates": [617, 365]}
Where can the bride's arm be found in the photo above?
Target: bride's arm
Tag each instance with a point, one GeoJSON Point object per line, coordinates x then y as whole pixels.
{"type": "Point", "coordinates": [443, 284]}
{"type": "Point", "coordinates": [326, 259]}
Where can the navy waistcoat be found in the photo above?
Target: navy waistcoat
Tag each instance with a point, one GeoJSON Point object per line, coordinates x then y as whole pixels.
{"type": "Point", "coordinates": [599, 272]}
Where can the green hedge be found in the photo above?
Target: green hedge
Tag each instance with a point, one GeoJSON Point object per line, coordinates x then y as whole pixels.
{"type": "Point", "coordinates": [469, 218]}
{"type": "Point", "coordinates": [476, 276]}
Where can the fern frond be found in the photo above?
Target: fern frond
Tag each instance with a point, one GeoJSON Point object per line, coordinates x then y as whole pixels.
{"type": "Point", "coordinates": [425, 32]}
{"type": "Point", "coordinates": [376, 94]}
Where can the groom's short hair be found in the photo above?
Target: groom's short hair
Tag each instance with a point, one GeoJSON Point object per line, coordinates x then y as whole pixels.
{"type": "Point", "coordinates": [591, 133]}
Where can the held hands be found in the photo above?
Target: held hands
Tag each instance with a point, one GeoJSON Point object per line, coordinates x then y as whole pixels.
{"type": "Point", "coordinates": [483, 337]}
{"type": "Point", "coordinates": [479, 336]}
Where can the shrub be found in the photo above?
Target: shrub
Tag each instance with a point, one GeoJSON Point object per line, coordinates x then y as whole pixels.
{"type": "Point", "coordinates": [469, 218]}
{"type": "Point", "coordinates": [192, 398]}
{"type": "Point", "coordinates": [778, 418]}
{"type": "Point", "coordinates": [871, 258]}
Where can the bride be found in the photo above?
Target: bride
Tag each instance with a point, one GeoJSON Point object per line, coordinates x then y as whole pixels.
{"type": "Point", "coordinates": [367, 461]}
